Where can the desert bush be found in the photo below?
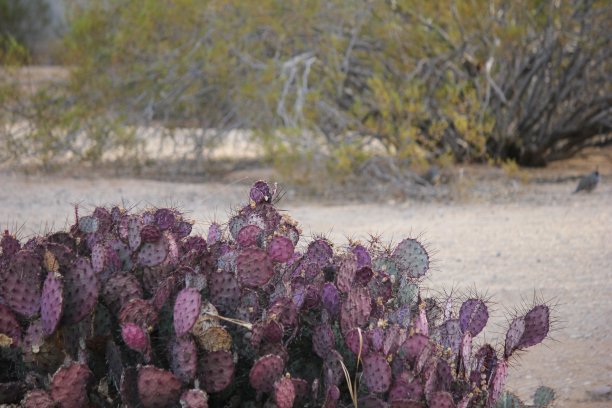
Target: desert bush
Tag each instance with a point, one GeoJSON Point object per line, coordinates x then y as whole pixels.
{"type": "Point", "coordinates": [132, 309]}
{"type": "Point", "coordinates": [336, 85]}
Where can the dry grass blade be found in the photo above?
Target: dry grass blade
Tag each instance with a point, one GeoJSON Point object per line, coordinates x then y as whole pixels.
{"type": "Point", "coordinates": [352, 386]}
{"type": "Point", "coordinates": [242, 323]}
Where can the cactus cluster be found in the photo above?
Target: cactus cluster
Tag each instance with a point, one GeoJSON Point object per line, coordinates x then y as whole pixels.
{"type": "Point", "coordinates": [132, 309]}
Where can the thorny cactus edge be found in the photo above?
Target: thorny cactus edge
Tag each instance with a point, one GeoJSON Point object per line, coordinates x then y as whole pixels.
{"type": "Point", "coordinates": [131, 308]}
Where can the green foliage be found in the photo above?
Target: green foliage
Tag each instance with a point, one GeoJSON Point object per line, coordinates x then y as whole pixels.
{"type": "Point", "coordinates": [330, 84]}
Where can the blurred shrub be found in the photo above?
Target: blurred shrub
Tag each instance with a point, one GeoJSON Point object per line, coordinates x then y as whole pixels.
{"type": "Point", "coordinates": [329, 86]}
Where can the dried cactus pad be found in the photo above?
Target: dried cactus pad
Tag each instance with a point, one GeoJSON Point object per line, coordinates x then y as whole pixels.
{"type": "Point", "coordinates": [473, 316]}
{"type": "Point", "coordinates": [52, 302]}
{"type": "Point", "coordinates": [376, 372]}
{"type": "Point", "coordinates": [20, 283]}
{"type": "Point", "coordinates": [254, 267]}
{"type": "Point", "coordinates": [411, 258]}
{"type": "Point", "coordinates": [216, 371]}
{"type": "Point", "coordinates": [10, 330]}
{"type": "Point", "coordinates": [158, 388]}
{"type": "Point", "coordinates": [194, 398]}
{"type": "Point", "coordinates": [69, 385]}
{"type": "Point", "coordinates": [265, 372]}
{"type": "Point", "coordinates": [81, 288]}
{"type": "Point", "coordinates": [186, 310]}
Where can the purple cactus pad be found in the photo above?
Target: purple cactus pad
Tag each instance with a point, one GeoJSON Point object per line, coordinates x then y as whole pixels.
{"type": "Point", "coordinates": [52, 302]}
{"type": "Point", "coordinates": [186, 310]}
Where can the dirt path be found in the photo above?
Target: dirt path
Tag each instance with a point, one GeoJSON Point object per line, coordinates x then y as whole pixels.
{"type": "Point", "coordinates": [540, 238]}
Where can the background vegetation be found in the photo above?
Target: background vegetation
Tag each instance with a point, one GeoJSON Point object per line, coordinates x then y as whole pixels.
{"type": "Point", "coordinates": [342, 88]}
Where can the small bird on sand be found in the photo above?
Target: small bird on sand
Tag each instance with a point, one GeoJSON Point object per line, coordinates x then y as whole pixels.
{"type": "Point", "coordinates": [588, 182]}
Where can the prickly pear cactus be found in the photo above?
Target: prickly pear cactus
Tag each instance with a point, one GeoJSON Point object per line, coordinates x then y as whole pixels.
{"type": "Point", "coordinates": [131, 308]}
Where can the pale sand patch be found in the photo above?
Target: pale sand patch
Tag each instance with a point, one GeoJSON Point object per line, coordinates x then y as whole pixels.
{"type": "Point", "coordinates": [543, 239]}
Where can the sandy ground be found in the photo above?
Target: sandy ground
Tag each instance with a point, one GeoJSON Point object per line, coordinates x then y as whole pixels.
{"type": "Point", "coordinates": [539, 238]}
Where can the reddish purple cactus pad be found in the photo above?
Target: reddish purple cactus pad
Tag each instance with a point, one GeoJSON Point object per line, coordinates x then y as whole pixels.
{"type": "Point", "coordinates": [164, 218]}
{"type": "Point", "coordinates": [38, 399]}
{"type": "Point", "coordinates": [357, 346]}
{"type": "Point", "coordinates": [412, 347]}
{"type": "Point", "coordinates": [194, 398]}
{"type": "Point", "coordinates": [216, 371]}
{"type": "Point", "coordinates": [406, 390]}
{"type": "Point", "coordinates": [153, 253]}
{"type": "Point", "coordinates": [214, 233]}
{"type": "Point", "coordinates": [330, 298]}
{"type": "Point", "coordinates": [280, 249]}
{"type": "Point", "coordinates": [20, 283]}
{"type": "Point", "coordinates": [254, 267]}
{"type": "Point", "coordinates": [265, 372]}
{"type": "Point", "coordinates": [98, 257]}
{"type": "Point", "coordinates": [513, 335]}
{"type": "Point", "coordinates": [323, 340]}
{"type": "Point", "coordinates": [376, 372]}
{"type": "Point", "coordinates": [166, 289]}
{"type": "Point", "coordinates": [186, 310]}
{"type": "Point", "coordinates": [355, 310]}
{"type": "Point", "coordinates": [438, 377]}
{"type": "Point", "coordinates": [129, 230]}
{"type": "Point", "coordinates": [119, 289]}
{"type": "Point", "coordinates": [441, 399]}
{"type": "Point", "coordinates": [284, 393]}
{"type": "Point", "coordinates": [69, 385]}
{"type": "Point", "coordinates": [498, 381]}
{"type": "Point", "coordinates": [10, 330]}
{"type": "Point", "coordinates": [158, 388]}
{"type": "Point", "coordinates": [184, 358]}
{"type": "Point", "coordinates": [537, 324]}
{"type": "Point", "coordinates": [140, 312]}
{"type": "Point", "coordinates": [81, 288]}
{"type": "Point", "coordinates": [319, 252]}
{"type": "Point", "coordinates": [52, 302]}
{"type": "Point", "coordinates": [260, 192]}
{"type": "Point", "coordinates": [302, 388]}
{"type": "Point", "coordinates": [150, 234]}
{"type": "Point", "coordinates": [450, 333]}
{"type": "Point", "coordinates": [473, 316]}
{"type": "Point", "coordinates": [332, 395]}
{"type": "Point", "coordinates": [249, 235]}
{"type": "Point", "coordinates": [9, 244]}
{"type": "Point", "coordinates": [224, 291]}
{"type": "Point", "coordinates": [135, 337]}
{"type": "Point", "coordinates": [345, 279]}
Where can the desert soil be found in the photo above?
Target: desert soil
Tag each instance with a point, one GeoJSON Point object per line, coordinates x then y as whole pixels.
{"type": "Point", "coordinates": [539, 239]}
